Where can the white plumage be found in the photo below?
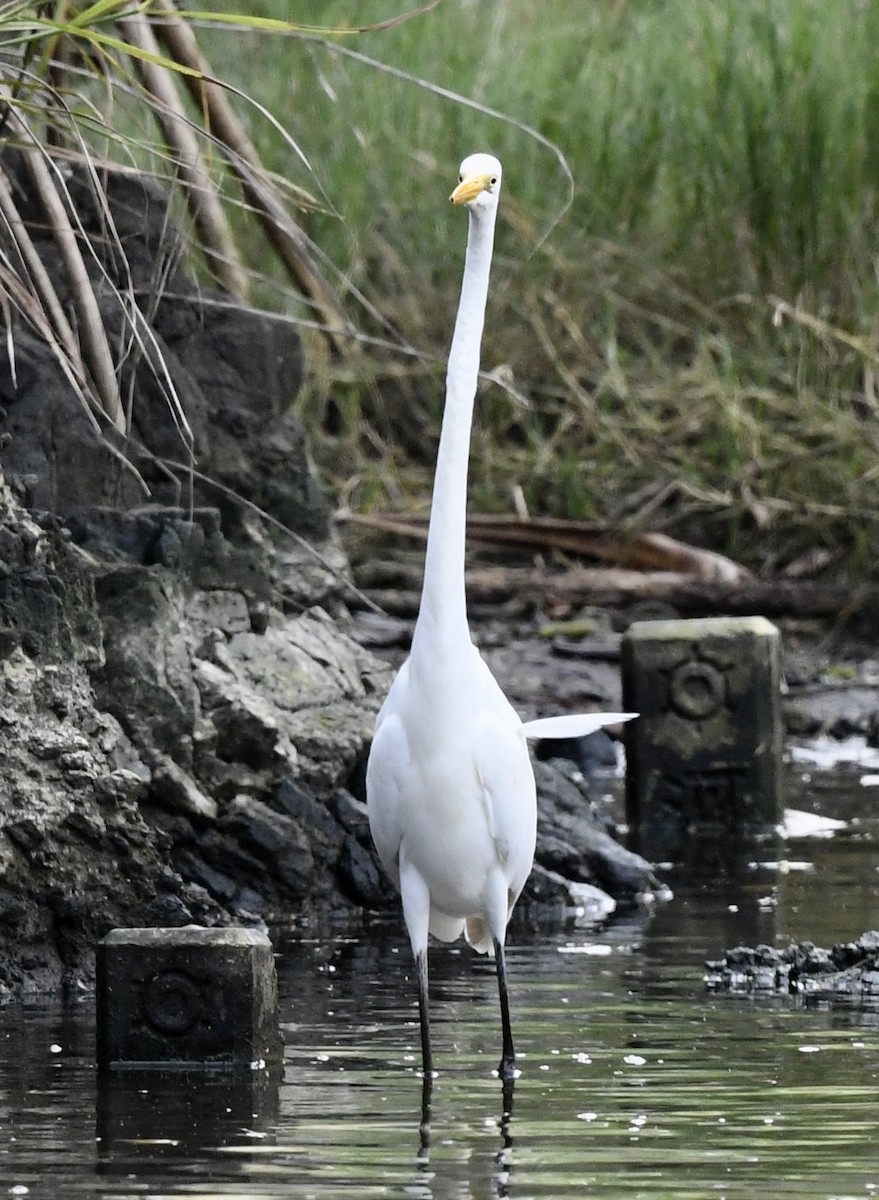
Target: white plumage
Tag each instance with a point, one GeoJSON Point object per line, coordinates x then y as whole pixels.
{"type": "Point", "coordinates": [450, 787]}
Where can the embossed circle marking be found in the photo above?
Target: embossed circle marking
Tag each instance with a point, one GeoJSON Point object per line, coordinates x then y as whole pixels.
{"type": "Point", "coordinates": [171, 1002]}
{"type": "Point", "coordinates": [697, 690]}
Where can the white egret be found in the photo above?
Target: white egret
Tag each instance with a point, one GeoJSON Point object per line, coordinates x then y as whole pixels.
{"type": "Point", "coordinates": [450, 786]}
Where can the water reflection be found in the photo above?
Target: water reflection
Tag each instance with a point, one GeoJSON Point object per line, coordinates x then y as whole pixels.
{"type": "Point", "coordinates": [634, 1081]}
{"type": "Point", "coordinates": [148, 1116]}
{"type": "Point", "coordinates": [503, 1158]}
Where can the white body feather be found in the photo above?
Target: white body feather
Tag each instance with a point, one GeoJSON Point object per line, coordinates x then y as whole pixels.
{"type": "Point", "coordinates": [450, 786]}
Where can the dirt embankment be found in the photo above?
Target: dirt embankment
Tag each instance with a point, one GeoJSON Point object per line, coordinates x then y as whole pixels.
{"type": "Point", "coordinates": [184, 713]}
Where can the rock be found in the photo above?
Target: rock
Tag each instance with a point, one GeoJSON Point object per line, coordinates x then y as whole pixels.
{"type": "Point", "coordinates": [849, 970]}
{"type": "Point", "coordinates": [278, 843]}
{"type": "Point", "coordinates": [592, 755]}
{"type": "Point", "coordinates": [234, 374]}
{"type": "Point", "coordinates": [175, 709]}
{"type": "Point", "coordinates": [362, 878]}
{"type": "Point", "coordinates": [184, 718]}
{"type": "Point", "coordinates": [171, 786]}
{"type": "Point", "coordinates": [573, 839]}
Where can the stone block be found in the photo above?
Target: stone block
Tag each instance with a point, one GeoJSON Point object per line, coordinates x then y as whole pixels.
{"type": "Point", "coordinates": [187, 996]}
{"type": "Point", "coordinates": [703, 761]}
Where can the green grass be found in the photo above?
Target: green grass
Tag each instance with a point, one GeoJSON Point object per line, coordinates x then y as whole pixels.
{"type": "Point", "coordinates": [724, 153]}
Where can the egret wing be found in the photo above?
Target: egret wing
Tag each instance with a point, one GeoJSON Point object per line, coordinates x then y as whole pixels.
{"type": "Point", "coordinates": [572, 725]}
{"type": "Point", "coordinates": [385, 803]}
{"type": "Point", "coordinates": [508, 797]}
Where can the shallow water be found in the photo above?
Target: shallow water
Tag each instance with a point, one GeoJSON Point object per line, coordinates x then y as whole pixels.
{"type": "Point", "coordinates": [634, 1081]}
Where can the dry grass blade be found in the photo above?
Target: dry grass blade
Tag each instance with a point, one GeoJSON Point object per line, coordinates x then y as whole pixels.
{"type": "Point", "coordinates": [824, 329]}
{"type": "Point", "coordinates": [38, 275]}
{"type": "Point", "coordinates": [205, 206]}
{"type": "Point", "coordinates": [95, 347]}
{"type": "Point", "coordinates": [284, 235]}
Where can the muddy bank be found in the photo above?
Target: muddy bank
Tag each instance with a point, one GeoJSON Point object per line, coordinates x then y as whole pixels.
{"type": "Point", "coordinates": [187, 684]}
{"type": "Point", "coordinates": [180, 743]}
{"type": "Point", "coordinates": [185, 710]}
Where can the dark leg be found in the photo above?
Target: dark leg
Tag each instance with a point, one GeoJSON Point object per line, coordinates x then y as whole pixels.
{"type": "Point", "coordinates": [503, 1158]}
{"type": "Point", "coordinates": [507, 1111]}
{"type": "Point", "coordinates": [424, 1127]}
{"type": "Point", "coordinates": [424, 1013]}
{"type": "Point", "coordinates": [507, 1068]}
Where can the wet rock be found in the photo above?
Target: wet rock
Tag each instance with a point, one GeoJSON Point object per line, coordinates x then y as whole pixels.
{"type": "Point", "coordinates": [362, 878]}
{"type": "Point", "coordinates": [278, 843]}
{"type": "Point", "coordinates": [172, 787]}
{"type": "Point", "coordinates": [848, 971]}
{"type": "Point", "coordinates": [573, 838]}
{"type": "Point", "coordinates": [325, 831]}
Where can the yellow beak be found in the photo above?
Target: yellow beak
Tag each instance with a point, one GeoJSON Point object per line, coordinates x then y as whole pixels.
{"type": "Point", "coordinates": [468, 189]}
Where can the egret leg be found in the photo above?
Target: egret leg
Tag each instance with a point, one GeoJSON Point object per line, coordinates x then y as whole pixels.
{"type": "Point", "coordinates": [503, 1158]}
{"type": "Point", "coordinates": [507, 1068]}
{"type": "Point", "coordinates": [424, 1127]}
{"type": "Point", "coordinates": [424, 1013]}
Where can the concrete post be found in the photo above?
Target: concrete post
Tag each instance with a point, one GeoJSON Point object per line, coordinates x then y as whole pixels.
{"type": "Point", "coordinates": [704, 758]}
{"type": "Point", "coordinates": [188, 996]}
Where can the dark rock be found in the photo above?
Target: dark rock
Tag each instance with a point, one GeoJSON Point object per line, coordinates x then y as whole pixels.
{"type": "Point", "coordinates": [873, 729]}
{"type": "Point", "coordinates": [234, 373]}
{"type": "Point", "coordinates": [848, 970]}
{"type": "Point", "coordinates": [593, 754]}
{"type": "Point", "coordinates": [572, 837]}
{"type": "Point", "coordinates": [276, 842]}
{"type": "Point", "coordinates": [351, 814]}
{"type": "Point", "coordinates": [222, 887]}
{"type": "Point", "coordinates": [155, 700]}
{"type": "Point", "coordinates": [173, 787]}
{"type": "Point", "coordinates": [361, 877]}
{"type": "Point", "coordinates": [169, 912]}
{"type": "Point", "coordinates": [326, 833]}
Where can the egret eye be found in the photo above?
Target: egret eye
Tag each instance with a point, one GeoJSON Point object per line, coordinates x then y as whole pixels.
{"type": "Point", "coordinates": [460, 179]}
{"type": "Point", "coordinates": [492, 181]}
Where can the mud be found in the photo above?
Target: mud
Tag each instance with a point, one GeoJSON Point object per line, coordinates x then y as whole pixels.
{"type": "Point", "coordinates": [187, 697]}
{"type": "Point", "coordinates": [185, 700]}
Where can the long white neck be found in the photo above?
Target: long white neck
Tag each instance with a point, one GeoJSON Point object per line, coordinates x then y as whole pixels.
{"type": "Point", "coordinates": [443, 611]}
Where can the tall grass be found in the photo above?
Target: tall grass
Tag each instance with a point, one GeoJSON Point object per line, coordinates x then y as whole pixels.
{"type": "Point", "coordinates": [725, 155]}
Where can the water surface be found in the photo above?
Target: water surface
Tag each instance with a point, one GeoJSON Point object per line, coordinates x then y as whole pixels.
{"type": "Point", "coordinates": [634, 1083]}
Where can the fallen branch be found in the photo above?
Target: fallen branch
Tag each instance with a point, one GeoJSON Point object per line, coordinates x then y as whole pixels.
{"type": "Point", "coordinates": [396, 587]}
{"type": "Point", "coordinates": [640, 551]}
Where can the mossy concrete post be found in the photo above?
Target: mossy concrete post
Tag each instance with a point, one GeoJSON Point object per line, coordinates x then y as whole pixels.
{"type": "Point", "coordinates": [703, 761]}
{"type": "Point", "coordinates": [188, 996]}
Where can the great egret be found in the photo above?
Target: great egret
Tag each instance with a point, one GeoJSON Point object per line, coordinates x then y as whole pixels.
{"type": "Point", "coordinates": [450, 787]}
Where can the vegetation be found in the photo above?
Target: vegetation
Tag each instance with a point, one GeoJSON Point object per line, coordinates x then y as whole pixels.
{"type": "Point", "coordinates": [685, 339]}
{"type": "Point", "coordinates": [94, 88]}
{"type": "Point", "coordinates": [692, 343]}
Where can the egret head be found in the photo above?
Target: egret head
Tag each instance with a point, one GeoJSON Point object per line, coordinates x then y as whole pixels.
{"type": "Point", "coordinates": [479, 182]}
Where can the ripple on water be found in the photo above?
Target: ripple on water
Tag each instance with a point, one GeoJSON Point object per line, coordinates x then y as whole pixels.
{"type": "Point", "coordinates": [634, 1082]}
